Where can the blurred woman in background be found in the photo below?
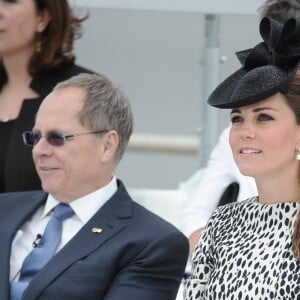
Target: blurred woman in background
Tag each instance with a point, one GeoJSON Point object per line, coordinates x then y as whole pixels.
{"type": "Point", "coordinates": [36, 52]}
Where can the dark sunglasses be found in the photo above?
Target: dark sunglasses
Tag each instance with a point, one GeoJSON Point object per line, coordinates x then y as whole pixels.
{"type": "Point", "coordinates": [31, 138]}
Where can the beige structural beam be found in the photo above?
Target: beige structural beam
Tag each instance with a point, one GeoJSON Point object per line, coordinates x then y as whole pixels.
{"type": "Point", "coordinates": [164, 143]}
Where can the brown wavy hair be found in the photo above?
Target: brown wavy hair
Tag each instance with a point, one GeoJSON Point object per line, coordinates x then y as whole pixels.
{"type": "Point", "coordinates": [56, 41]}
{"type": "Point", "coordinates": [292, 94]}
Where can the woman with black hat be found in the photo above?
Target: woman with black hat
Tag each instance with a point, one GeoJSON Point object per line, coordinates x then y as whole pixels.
{"type": "Point", "coordinates": [251, 249]}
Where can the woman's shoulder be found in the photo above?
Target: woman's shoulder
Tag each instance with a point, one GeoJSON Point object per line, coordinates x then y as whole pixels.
{"type": "Point", "coordinates": [233, 209]}
{"type": "Point", "coordinates": [64, 71]}
{"type": "Point", "coordinates": [225, 217]}
{"type": "Point", "coordinates": [239, 205]}
{"type": "Point", "coordinates": [45, 80]}
{"type": "Point", "coordinates": [68, 71]}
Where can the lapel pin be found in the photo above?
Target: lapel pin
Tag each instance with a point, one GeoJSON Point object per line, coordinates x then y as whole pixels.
{"type": "Point", "coordinates": [96, 230]}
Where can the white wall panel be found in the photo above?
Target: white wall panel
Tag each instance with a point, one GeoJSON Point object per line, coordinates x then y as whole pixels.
{"type": "Point", "coordinates": [246, 7]}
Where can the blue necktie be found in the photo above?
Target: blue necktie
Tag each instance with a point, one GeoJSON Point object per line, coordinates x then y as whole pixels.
{"type": "Point", "coordinates": [44, 251]}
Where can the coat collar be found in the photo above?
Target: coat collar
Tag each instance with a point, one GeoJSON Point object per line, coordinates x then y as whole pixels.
{"type": "Point", "coordinates": [108, 221]}
{"type": "Point", "coordinates": [8, 228]}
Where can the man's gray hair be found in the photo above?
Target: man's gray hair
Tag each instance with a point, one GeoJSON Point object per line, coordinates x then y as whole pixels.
{"type": "Point", "coordinates": [105, 108]}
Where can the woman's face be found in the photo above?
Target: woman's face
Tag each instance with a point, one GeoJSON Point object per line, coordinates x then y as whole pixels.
{"type": "Point", "coordinates": [19, 23]}
{"type": "Point", "coordinates": [265, 137]}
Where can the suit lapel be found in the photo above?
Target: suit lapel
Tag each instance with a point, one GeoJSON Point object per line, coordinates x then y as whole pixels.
{"type": "Point", "coordinates": [8, 228]}
{"type": "Point", "coordinates": [110, 219]}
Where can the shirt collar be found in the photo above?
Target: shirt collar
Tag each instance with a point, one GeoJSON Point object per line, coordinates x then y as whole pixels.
{"type": "Point", "coordinates": [95, 199]}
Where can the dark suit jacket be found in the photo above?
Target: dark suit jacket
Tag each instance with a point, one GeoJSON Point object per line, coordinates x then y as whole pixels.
{"type": "Point", "coordinates": [137, 256]}
{"type": "Point", "coordinates": [19, 171]}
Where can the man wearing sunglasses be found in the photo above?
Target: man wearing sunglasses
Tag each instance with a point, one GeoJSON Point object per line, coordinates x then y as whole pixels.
{"type": "Point", "coordinates": [83, 237]}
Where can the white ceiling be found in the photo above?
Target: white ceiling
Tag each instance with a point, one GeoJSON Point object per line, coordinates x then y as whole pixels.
{"type": "Point", "coordinates": [245, 7]}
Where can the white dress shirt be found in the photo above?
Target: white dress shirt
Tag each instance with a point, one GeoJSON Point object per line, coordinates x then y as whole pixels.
{"type": "Point", "coordinates": [84, 208]}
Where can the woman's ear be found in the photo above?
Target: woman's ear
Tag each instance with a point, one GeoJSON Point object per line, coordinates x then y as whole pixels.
{"type": "Point", "coordinates": [297, 140]}
{"type": "Point", "coordinates": [109, 145]}
{"type": "Point", "coordinates": [43, 19]}
{"type": "Point", "coordinates": [297, 146]}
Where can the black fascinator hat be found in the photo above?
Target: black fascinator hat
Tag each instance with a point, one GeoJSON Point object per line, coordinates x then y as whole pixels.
{"type": "Point", "coordinates": [266, 69]}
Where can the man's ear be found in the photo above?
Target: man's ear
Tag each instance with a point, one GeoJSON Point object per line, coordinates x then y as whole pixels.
{"type": "Point", "coordinates": [43, 20]}
{"type": "Point", "coordinates": [109, 145]}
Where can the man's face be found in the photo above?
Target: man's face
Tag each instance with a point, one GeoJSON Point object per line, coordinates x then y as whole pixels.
{"type": "Point", "coordinates": [75, 168]}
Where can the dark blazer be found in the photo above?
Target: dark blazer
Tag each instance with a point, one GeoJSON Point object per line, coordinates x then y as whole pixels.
{"type": "Point", "coordinates": [137, 256]}
{"type": "Point", "coordinates": [19, 171]}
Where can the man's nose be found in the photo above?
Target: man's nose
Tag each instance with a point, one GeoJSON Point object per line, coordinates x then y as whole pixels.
{"type": "Point", "coordinates": [42, 147]}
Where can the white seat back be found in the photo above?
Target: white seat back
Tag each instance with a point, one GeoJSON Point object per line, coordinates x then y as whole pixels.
{"type": "Point", "coordinates": [165, 203]}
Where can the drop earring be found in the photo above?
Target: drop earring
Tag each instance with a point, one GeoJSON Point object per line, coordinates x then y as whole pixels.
{"type": "Point", "coordinates": [38, 47]}
{"type": "Point", "coordinates": [298, 154]}
{"type": "Point", "coordinates": [38, 43]}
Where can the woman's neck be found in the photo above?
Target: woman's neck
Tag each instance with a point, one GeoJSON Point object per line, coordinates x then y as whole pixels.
{"type": "Point", "coordinates": [16, 67]}
{"type": "Point", "coordinates": [17, 87]}
{"type": "Point", "coordinates": [278, 190]}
